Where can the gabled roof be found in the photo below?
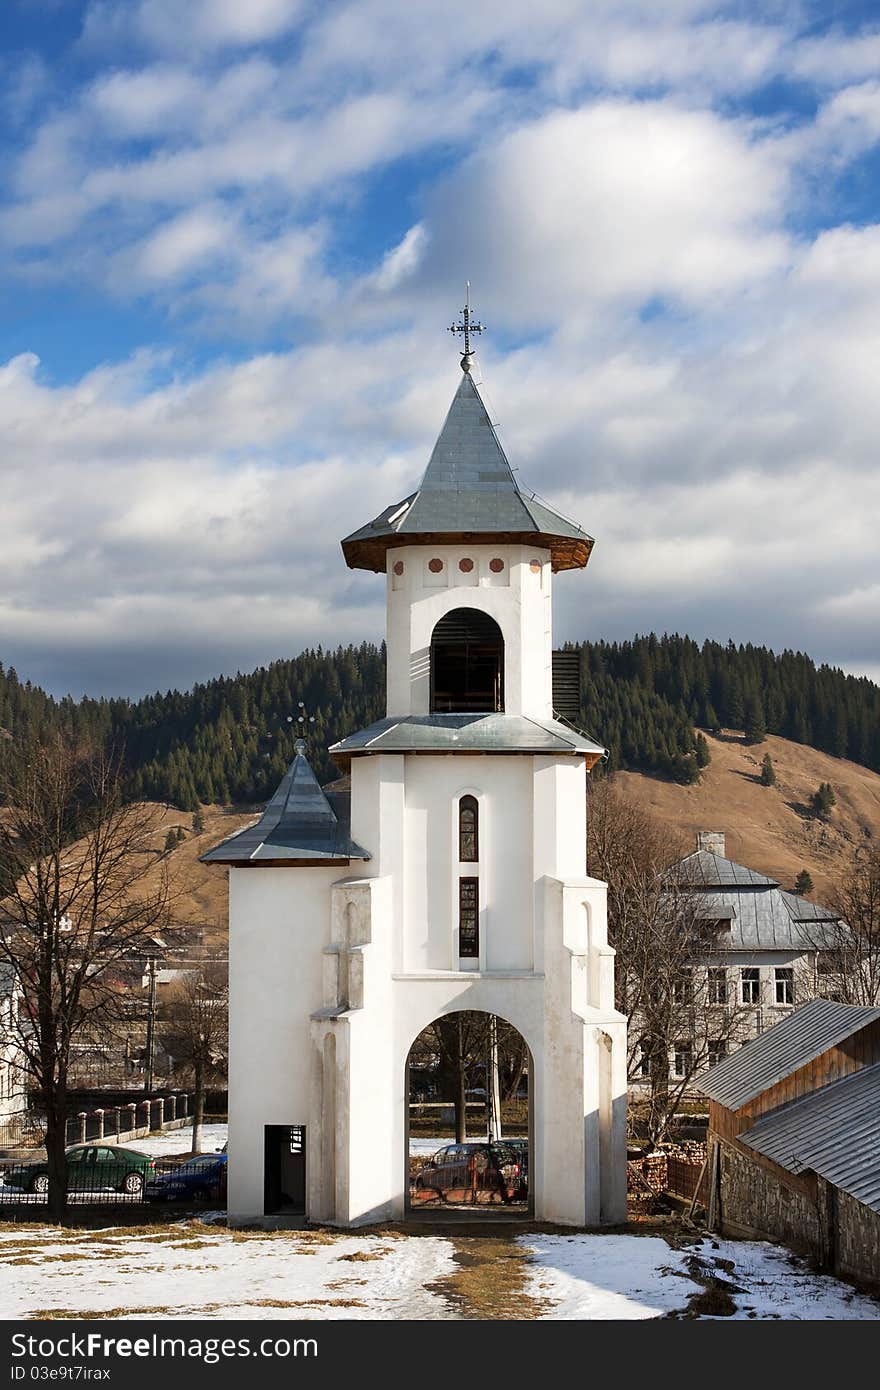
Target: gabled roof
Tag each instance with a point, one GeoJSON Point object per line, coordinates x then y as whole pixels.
{"type": "Point", "coordinates": [786, 1047]}
{"type": "Point", "coordinates": [834, 1132]}
{"type": "Point", "coordinates": [299, 825]}
{"type": "Point", "coordinates": [472, 733]}
{"type": "Point", "coordinates": [468, 492]}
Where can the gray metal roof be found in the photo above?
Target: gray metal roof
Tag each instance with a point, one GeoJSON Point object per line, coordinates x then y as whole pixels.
{"type": "Point", "coordinates": [762, 916]}
{"type": "Point", "coordinates": [468, 489]}
{"type": "Point", "coordinates": [786, 1047]}
{"type": "Point", "coordinates": [703, 869]}
{"type": "Point", "coordinates": [834, 1132]}
{"type": "Point", "coordinates": [473, 733]}
{"type": "Point", "coordinates": [301, 822]}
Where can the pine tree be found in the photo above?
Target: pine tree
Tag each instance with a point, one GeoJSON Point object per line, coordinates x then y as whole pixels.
{"type": "Point", "coordinates": [180, 834]}
{"type": "Point", "coordinates": [198, 822]}
{"type": "Point", "coordinates": [701, 749]}
{"type": "Point", "coordinates": [803, 884]}
{"type": "Point", "coordinates": [755, 728]}
{"type": "Point", "coordinates": [768, 772]}
{"type": "Point", "coordinates": [170, 842]}
{"type": "Point", "coordinates": [824, 799]}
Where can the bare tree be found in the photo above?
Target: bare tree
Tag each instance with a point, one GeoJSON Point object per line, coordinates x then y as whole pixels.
{"type": "Point", "coordinates": [82, 900]}
{"type": "Point", "coordinates": [664, 951]}
{"type": "Point", "coordinates": [195, 1030]}
{"type": "Point", "coordinates": [459, 1047]}
{"type": "Point", "coordinates": [849, 958]}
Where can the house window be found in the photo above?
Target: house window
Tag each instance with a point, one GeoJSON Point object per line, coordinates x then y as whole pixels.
{"type": "Point", "coordinates": [682, 989]}
{"type": "Point", "coordinates": [751, 985]}
{"type": "Point", "coordinates": [683, 1058]}
{"type": "Point", "coordinates": [468, 918]}
{"type": "Point", "coordinates": [717, 984]}
{"type": "Point", "coordinates": [717, 1050]}
{"type": "Point", "coordinates": [468, 830]}
{"type": "Point", "coordinates": [784, 986]}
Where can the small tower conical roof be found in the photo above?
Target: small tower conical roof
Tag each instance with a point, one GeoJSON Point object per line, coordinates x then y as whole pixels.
{"type": "Point", "coordinates": [468, 493]}
{"type": "Point", "coordinates": [298, 825]}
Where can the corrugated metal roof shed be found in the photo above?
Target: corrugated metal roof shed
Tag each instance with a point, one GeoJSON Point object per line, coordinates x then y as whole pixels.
{"type": "Point", "coordinates": [468, 489]}
{"type": "Point", "coordinates": [473, 733]}
{"type": "Point", "coordinates": [835, 1132]}
{"type": "Point", "coordinates": [793, 1042]}
{"type": "Point", "coordinates": [300, 823]}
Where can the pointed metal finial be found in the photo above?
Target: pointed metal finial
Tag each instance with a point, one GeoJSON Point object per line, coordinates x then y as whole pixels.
{"type": "Point", "coordinates": [467, 327]}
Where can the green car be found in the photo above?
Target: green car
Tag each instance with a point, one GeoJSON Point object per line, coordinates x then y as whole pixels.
{"type": "Point", "coordinates": [91, 1168]}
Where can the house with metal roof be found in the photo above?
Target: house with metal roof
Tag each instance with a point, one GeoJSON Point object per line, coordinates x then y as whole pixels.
{"type": "Point", "coordinates": [769, 952]}
{"type": "Point", "coordinates": [794, 1137]}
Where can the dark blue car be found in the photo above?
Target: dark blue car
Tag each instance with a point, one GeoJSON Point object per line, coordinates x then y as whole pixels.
{"type": "Point", "coordinates": [201, 1179]}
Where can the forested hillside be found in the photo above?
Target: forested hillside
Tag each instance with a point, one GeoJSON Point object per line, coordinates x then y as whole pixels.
{"type": "Point", "coordinates": [229, 739]}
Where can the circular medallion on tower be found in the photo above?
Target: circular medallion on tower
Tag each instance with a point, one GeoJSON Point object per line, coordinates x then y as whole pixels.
{"type": "Point", "coordinates": [435, 566]}
{"type": "Point", "coordinates": [398, 567]}
{"type": "Point", "coordinates": [496, 565]}
{"type": "Point", "coordinates": [465, 566]}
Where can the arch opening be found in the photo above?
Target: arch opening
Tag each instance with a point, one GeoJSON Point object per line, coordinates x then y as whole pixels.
{"type": "Point", "coordinates": [469, 1109]}
{"type": "Point", "coordinates": [467, 664]}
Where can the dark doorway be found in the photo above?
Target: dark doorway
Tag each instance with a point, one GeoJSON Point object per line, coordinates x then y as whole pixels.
{"type": "Point", "coordinates": [285, 1170]}
{"type": "Point", "coordinates": [467, 663]}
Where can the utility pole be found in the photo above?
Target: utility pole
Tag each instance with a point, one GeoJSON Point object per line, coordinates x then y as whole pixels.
{"type": "Point", "coordinates": [493, 1086]}
{"type": "Point", "coordinates": [151, 1026]}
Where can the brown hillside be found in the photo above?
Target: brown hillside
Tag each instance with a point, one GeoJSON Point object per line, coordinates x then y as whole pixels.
{"type": "Point", "coordinates": [770, 828]}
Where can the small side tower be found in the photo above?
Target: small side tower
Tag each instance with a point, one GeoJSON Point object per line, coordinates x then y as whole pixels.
{"type": "Point", "coordinates": [469, 799]}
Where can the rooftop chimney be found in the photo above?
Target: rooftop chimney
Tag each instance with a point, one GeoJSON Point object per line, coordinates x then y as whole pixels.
{"type": "Point", "coordinates": [711, 840]}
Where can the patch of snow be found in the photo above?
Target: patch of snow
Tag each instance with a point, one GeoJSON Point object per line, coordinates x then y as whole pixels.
{"type": "Point", "coordinates": [178, 1141]}
{"type": "Point", "coordinates": [626, 1277]}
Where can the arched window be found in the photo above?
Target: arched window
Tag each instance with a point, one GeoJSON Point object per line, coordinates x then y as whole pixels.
{"type": "Point", "coordinates": [467, 663]}
{"type": "Point", "coordinates": [468, 830]}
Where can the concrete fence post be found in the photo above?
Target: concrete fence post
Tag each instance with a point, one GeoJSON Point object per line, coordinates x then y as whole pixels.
{"type": "Point", "coordinates": [147, 1112]}
{"type": "Point", "coordinates": [172, 1101]}
{"type": "Point", "coordinates": [116, 1120]}
{"type": "Point", "coordinates": [160, 1106]}
{"type": "Point", "coordinates": [132, 1116]}
{"type": "Point", "coordinates": [82, 1126]}
{"type": "Point", "coordinates": [100, 1115]}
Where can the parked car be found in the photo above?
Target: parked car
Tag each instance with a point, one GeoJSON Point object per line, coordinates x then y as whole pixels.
{"type": "Point", "coordinates": [90, 1168]}
{"type": "Point", "coordinates": [198, 1179]}
{"type": "Point", "coordinates": [465, 1170]}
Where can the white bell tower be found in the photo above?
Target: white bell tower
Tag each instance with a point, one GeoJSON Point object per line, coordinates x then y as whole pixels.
{"type": "Point", "coordinates": [467, 819]}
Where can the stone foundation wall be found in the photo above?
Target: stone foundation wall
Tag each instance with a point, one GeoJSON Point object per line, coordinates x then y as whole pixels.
{"type": "Point", "coordinates": [858, 1239]}
{"type": "Point", "coordinates": [755, 1203]}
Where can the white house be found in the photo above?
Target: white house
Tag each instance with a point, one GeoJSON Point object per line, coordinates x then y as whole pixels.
{"type": "Point", "coordinates": [451, 877]}
{"type": "Point", "coordinates": [13, 1092]}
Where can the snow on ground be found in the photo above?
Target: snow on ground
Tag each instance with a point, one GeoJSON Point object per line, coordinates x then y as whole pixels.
{"type": "Point", "coordinates": [618, 1276]}
{"type": "Point", "coordinates": [194, 1271]}
{"type": "Point", "coordinates": [178, 1141]}
{"type": "Point", "coordinates": [191, 1269]}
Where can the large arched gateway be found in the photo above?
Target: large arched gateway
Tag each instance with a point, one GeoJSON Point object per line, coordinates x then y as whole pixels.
{"type": "Point", "coordinates": [469, 1117]}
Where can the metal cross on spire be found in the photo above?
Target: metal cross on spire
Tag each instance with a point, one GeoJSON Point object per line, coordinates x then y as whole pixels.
{"type": "Point", "coordinates": [467, 327]}
{"type": "Point", "coordinates": [302, 721]}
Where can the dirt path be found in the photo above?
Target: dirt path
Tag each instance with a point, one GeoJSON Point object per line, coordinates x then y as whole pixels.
{"type": "Point", "coordinates": [490, 1280]}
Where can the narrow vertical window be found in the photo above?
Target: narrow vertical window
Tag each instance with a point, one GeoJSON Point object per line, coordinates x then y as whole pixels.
{"type": "Point", "coordinates": [469, 918]}
{"type": "Point", "coordinates": [468, 830]}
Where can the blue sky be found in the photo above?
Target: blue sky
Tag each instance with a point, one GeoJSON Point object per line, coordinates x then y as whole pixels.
{"type": "Point", "coordinates": [232, 236]}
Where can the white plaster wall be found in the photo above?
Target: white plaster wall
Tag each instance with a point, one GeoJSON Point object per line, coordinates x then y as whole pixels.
{"type": "Point", "coordinates": [503, 788]}
{"type": "Point", "coordinates": [519, 600]}
{"type": "Point", "coordinates": [279, 924]}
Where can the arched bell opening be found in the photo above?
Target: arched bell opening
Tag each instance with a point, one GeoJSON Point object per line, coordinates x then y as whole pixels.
{"type": "Point", "coordinates": [467, 664]}
{"type": "Point", "coordinates": [469, 1118]}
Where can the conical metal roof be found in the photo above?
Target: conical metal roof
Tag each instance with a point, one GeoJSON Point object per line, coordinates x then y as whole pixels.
{"type": "Point", "coordinates": [468, 493]}
{"type": "Point", "coordinates": [299, 825]}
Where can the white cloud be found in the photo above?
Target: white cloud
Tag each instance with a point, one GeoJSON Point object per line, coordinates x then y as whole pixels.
{"type": "Point", "coordinates": [204, 24]}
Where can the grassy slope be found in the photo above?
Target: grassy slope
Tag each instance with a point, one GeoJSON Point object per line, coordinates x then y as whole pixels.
{"type": "Point", "coordinates": [770, 828]}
